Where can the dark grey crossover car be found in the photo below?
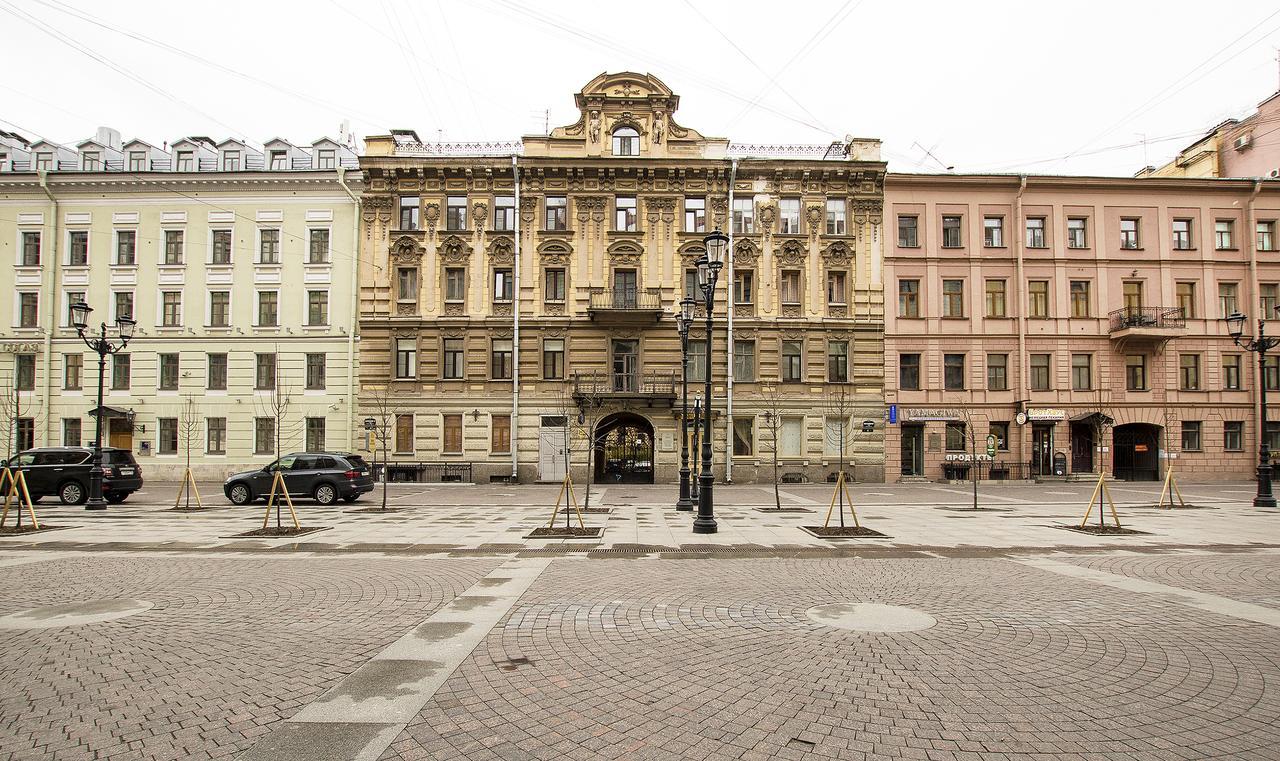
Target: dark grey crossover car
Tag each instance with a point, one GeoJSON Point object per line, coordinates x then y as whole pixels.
{"type": "Point", "coordinates": [64, 471]}
{"type": "Point", "coordinates": [324, 476]}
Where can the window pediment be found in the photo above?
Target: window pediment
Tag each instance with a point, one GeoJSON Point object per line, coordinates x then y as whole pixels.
{"type": "Point", "coordinates": [455, 250]}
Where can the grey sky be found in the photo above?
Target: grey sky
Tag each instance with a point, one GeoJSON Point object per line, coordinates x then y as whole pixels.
{"type": "Point", "coordinates": [988, 86]}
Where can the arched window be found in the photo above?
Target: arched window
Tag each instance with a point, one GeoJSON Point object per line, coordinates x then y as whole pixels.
{"type": "Point", "coordinates": [626, 142]}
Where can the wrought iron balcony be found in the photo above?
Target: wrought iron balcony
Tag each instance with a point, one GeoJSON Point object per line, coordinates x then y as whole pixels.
{"type": "Point", "coordinates": [625, 305]}
{"type": "Point", "coordinates": [653, 388]}
{"type": "Point", "coordinates": [1158, 323]}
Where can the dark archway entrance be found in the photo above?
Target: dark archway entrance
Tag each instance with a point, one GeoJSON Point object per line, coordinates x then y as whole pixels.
{"type": "Point", "coordinates": [624, 450]}
{"type": "Point", "coordinates": [1136, 452]}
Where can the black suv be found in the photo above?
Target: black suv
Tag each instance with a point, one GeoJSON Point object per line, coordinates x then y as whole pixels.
{"type": "Point", "coordinates": [64, 471]}
{"type": "Point", "coordinates": [326, 476]}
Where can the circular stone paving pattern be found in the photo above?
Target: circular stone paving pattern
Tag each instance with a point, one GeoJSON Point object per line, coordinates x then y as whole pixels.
{"type": "Point", "coordinates": [73, 614]}
{"type": "Point", "coordinates": [871, 617]}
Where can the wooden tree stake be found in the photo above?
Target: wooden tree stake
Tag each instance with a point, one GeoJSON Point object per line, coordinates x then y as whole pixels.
{"type": "Point", "coordinates": [17, 490]}
{"type": "Point", "coordinates": [278, 480]}
{"type": "Point", "coordinates": [842, 487]}
{"type": "Point", "coordinates": [566, 496]}
{"type": "Point", "coordinates": [189, 486]}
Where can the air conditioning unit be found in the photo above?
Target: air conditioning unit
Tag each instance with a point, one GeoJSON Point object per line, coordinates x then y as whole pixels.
{"type": "Point", "coordinates": [1242, 142]}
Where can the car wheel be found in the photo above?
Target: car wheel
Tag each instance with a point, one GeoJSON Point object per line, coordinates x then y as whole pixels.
{"type": "Point", "coordinates": [351, 497]}
{"type": "Point", "coordinates": [326, 494]}
{"type": "Point", "coordinates": [116, 499]}
{"type": "Point", "coordinates": [72, 493]}
{"type": "Point", "coordinates": [239, 494]}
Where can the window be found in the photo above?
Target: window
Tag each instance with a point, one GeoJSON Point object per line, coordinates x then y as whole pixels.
{"type": "Point", "coordinates": [230, 161]}
{"type": "Point", "coordinates": [909, 372]}
{"type": "Point", "coordinates": [404, 434]}
{"type": "Point", "coordinates": [264, 435]}
{"type": "Point", "coordinates": [553, 358]}
{"type": "Point", "coordinates": [1267, 300]}
{"type": "Point", "coordinates": [409, 207]}
{"type": "Point", "coordinates": [1227, 302]}
{"type": "Point", "coordinates": [1039, 372]}
{"type": "Point", "coordinates": [1223, 234]}
{"type": "Point", "coordinates": [792, 361]}
{"type": "Point", "coordinates": [951, 232]}
{"type": "Point", "coordinates": [455, 284]}
{"type": "Point", "coordinates": [500, 359]}
{"type": "Point", "coordinates": [1035, 232]}
{"type": "Point", "coordinates": [500, 434]}
{"type": "Point", "coordinates": [553, 284]}
{"type": "Point", "coordinates": [908, 231]}
{"type": "Point", "coordinates": [167, 438]}
{"type": "Point", "coordinates": [908, 298]}
{"type": "Point", "coordinates": [221, 246]}
{"type": "Point", "coordinates": [126, 247]}
{"type": "Point", "coordinates": [1038, 298]}
{"type": "Point", "coordinates": [744, 361]}
{"type": "Point", "coordinates": [72, 298]}
{"type": "Point", "coordinates": [71, 432]}
{"type": "Point", "coordinates": [996, 298]}
{"type": "Point", "coordinates": [1132, 295]}
{"type": "Point", "coordinates": [953, 298]}
{"type": "Point", "coordinates": [1135, 372]}
{"type": "Point", "coordinates": [993, 232]}
{"type": "Point", "coordinates": [1191, 435]}
{"type": "Point", "coordinates": [315, 372]}
{"type": "Point", "coordinates": [78, 253]}
{"type": "Point", "coordinates": [217, 372]}
{"type": "Point", "coordinates": [792, 437]}
{"type": "Point", "coordinates": [24, 372]}
{"type": "Point", "coordinates": [186, 161]}
{"type": "Point", "coordinates": [1189, 372]}
{"type": "Point", "coordinates": [557, 213]}
{"type": "Point", "coordinates": [406, 358]}
{"type": "Point", "coordinates": [836, 290]}
{"type": "Point", "coordinates": [1271, 374]}
{"type": "Point", "coordinates": [789, 287]}
{"type": "Point", "coordinates": [1232, 436]}
{"type": "Point", "coordinates": [695, 215]}
{"type": "Point", "coordinates": [26, 433]}
{"type": "Point", "coordinates": [691, 289]}
{"type": "Point", "coordinates": [997, 372]}
{"type": "Point", "coordinates": [1077, 228]}
{"type": "Point", "coordinates": [121, 367]}
{"type": "Point", "coordinates": [834, 435]}
{"type": "Point", "coordinates": [504, 213]}
{"type": "Point", "coordinates": [452, 440]}
{"type": "Point", "coordinates": [743, 286]}
{"type": "Point", "coordinates": [168, 372]}
{"type": "Point", "coordinates": [1186, 293]}
{"type": "Point", "coordinates": [73, 372]}
{"type": "Point", "coordinates": [215, 435]}
{"type": "Point", "coordinates": [407, 284]}
{"type": "Point", "coordinates": [315, 434]}
{"type": "Point", "coordinates": [743, 436]}
{"type": "Point", "coordinates": [269, 246]}
{"type": "Point", "coordinates": [837, 361]}
{"type": "Point", "coordinates": [327, 159]}
{"type": "Point", "coordinates": [626, 142]}
{"type": "Point", "coordinates": [91, 161]}
{"type": "Point", "coordinates": [268, 309]}
{"type": "Point", "coordinates": [264, 372]}
{"type": "Point", "coordinates": [171, 309]}
{"type": "Point", "coordinates": [624, 219]}
{"type": "Point", "coordinates": [455, 213]}
{"type": "Point", "coordinates": [28, 310]}
{"type": "Point", "coordinates": [1231, 372]}
{"type": "Point", "coordinates": [1129, 232]}
{"type": "Point", "coordinates": [278, 160]}
{"type": "Point", "coordinates": [835, 216]}
{"type": "Point", "coordinates": [137, 161]}
{"type": "Point", "coordinates": [1081, 372]}
{"type": "Point", "coordinates": [1182, 235]}
{"type": "Point", "coordinates": [1000, 429]}
{"type": "Point", "coordinates": [219, 309]}
{"type": "Point", "coordinates": [502, 285]}
{"type": "Point", "coordinates": [789, 216]}
{"type": "Point", "coordinates": [173, 246]}
{"type": "Point", "coordinates": [697, 360]}
{"type": "Point", "coordinates": [318, 246]}
{"type": "Point", "coordinates": [955, 437]}
{"type": "Point", "coordinates": [744, 216]}
{"type": "Point", "coordinates": [453, 359]}
{"type": "Point", "coordinates": [1267, 236]}
{"type": "Point", "coordinates": [124, 304]}
{"type": "Point", "coordinates": [31, 249]}
{"type": "Point", "coordinates": [953, 372]}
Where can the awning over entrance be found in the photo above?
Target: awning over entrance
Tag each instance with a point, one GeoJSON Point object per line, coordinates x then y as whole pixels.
{"type": "Point", "coordinates": [110, 412]}
{"type": "Point", "coordinates": [1093, 418]}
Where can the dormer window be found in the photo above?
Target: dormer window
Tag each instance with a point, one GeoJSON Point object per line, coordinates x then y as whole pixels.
{"type": "Point", "coordinates": [137, 161]}
{"type": "Point", "coordinates": [90, 161]}
{"type": "Point", "coordinates": [279, 160]}
{"type": "Point", "coordinates": [327, 159]}
{"type": "Point", "coordinates": [626, 142]}
{"type": "Point", "coordinates": [230, 161]}
{"type": "Point", "coordinates": [186, 161]}
{"type": "Point", "coordinates": [44, 161]}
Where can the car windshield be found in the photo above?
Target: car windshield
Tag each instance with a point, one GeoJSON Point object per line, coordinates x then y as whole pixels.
{"type": "Point", "coordinates": [284, 463]}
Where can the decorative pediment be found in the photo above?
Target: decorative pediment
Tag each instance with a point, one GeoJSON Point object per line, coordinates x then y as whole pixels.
{"type": "Point", "coordinates": [553, 251]}
{"type": "Point", "coordinates": [625, 252]}
{"type": "Point", "coordinates": [791, 254]}
{"type": "Point", "coordinates": [691, 251]}
{"type": "Point", "coordinates": [745, 252]}
{"type": "Point", "coordinates": [404, 333]}
{"type": "Point", "coordinates": [814, 218]}
{"type": "Point", "coordinates": [837, 254]}
{"type": "Point", "coordinates": [405, 250]}
{"type": "Point", "coordinates": [502, 250]}
{"type": "Point", "coordinates": [455, 250]}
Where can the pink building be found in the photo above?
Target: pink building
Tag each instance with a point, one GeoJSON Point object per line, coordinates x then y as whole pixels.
{"type": "Point", "coordinates": [1078, 321]}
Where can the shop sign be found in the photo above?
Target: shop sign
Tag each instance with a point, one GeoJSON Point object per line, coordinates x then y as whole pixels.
{"type": "Point", "coordinates": [966, 457]}
{"type": "Point", "coordinates": [919, 414]}
{"type": "Point", "coordinates": [1045, 414]}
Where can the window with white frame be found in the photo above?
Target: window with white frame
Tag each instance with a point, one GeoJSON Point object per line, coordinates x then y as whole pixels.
{"type": "Point", "coordinates": [170, 309]}
{"type": "Point", "coordinates": [231, 161]}
{"type": "Point", "coordinates": [504, 213]}
{"type": "Point", "coordinates": [221, 246]}
{"type": "Point", "coordinates": [269, 245]}
{"type": "Point", "coordinates": [30, 248]}
{"type": "Point", "coordinates": [835, 216]}
{"type": "Point", "coordinates": [219, 309]}
{"type": "Point", "coordinates": [318, 245]}
{"type": "Point", "coordinates": [744, 216]}
{"type": "Point", "coordinates": [174, 244]}
{"type": "Point", "coordinates": [317, 308]}
{"type": "Point", "coordinates": [126, 247]}
{"type": "Point", "coordinates": [789, 216]}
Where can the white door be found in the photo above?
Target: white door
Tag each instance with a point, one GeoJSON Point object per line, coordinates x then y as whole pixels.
{"type": "Point", "coordinates": [551, 448]}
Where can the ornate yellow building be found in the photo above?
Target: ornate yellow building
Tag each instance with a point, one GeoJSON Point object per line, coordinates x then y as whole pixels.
{"type": "Point", "coordinates": [506, 287]}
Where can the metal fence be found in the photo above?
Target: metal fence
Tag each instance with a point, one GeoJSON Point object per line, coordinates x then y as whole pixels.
{"type": "Point", "coordinates": [1147, 317]}
{"type": "Point", "coordinates": [999, 470]}
{"type": "Point", "coordinates": [424, 472]}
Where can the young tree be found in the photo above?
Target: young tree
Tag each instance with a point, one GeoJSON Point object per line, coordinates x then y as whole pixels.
{"type": "Point", "coordinates": [588, 402]}
{"type": "Point", "coordinates": [12, 409]}
{"type": "Point", "coordinates": [971, 424]}
{"type": "Point", "coordinates": [277, 404]}
{"type": "Point", "coordinates": [837, 428]}
{"type": "Point", "coordinates": [772, 423]}
{"type": "Point", "coordinates": [381, 407]}
{"type": "Point", "coordinates": [189, 435]}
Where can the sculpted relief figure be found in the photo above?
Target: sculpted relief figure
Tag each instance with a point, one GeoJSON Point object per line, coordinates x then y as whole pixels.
{"type": "Point", "coordinates": [594, 128]}
{"type": "Point", "coordinates": [657, 127]}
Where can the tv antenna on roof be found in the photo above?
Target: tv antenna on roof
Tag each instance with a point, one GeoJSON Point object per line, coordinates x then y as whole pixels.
{"type": "Point", "coordinates": [929, 152]}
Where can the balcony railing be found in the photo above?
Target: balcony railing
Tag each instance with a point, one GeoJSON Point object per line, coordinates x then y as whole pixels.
{"type": "Point", "coordinates": [1151, 318]}
{"type": "Point", "coordinates": [626, 299]}
{"type": "Point", "coordinates": [601, 384]}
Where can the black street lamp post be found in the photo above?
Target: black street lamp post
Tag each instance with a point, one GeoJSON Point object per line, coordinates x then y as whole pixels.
{"type": "Point", "coordinates": [103, 345]}
{"type": "Point", "coordinates": [1261, 345]}
{"type": "Point", "coordinates": [683, 322]}
{"type": "Point", "coordinates": [697, 434]}
{"type": "Point", "coordinates": [717, 244]}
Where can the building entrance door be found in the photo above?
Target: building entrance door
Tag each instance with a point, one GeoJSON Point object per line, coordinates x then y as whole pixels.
{"type": "Point", "coordinates": [552, 448]}
{"type": "Point", "coordinates": [913, 450]}
{"type": "Point", "coordinates": [119, 433]}
{"type": "Point", "coordinates": [1082, 447]}
{"type": "Point", "coordinates": [624, 450]}
{"type": "Point", "coordinates": [626, 364]}
{"type": "Point", "coordinates": [1136, 447]}
{"type": "Point", "coordinates": [1041, 450]}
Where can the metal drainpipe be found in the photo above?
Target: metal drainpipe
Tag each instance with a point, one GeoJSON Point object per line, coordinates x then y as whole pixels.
{"type": "Point", "coordinates": [355, 306]}
{"type": "Point", "coordinates": [1251, 235]}
{"type": "Point", "coordinates": [52, 301]}
{"type": "Point", "coordinates": [515, 341]}
{"type": "Point", "coordinates": [728, 308]}
{"type": "Point", "coordinates": [1017, 234]}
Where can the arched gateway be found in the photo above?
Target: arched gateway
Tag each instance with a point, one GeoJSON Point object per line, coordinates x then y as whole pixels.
{"type": "Point", "coordinates": [624, 449]}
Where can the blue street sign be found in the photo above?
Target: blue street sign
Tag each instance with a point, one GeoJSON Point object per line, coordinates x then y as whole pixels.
{"type": "Point", "coordinates": [893, 413]}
